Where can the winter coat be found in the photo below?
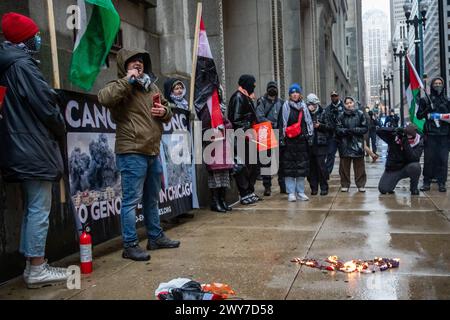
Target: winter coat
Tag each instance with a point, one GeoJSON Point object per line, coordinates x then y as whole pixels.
{"type": "Point", "coordinates": [332, 112]}
{"type": "Point", "coordinates": [241, 111]}
{"type": "Point", "coordinates": [351, 128]}
{"type": "Point", "coordinates": [392, 121]}
{"type": "Point", "coordinates": [399, 155]}
{"type": "Point", "coordinates": [31, 124]}
{"type": "Point", "coordinates": [137, 130]}
{"type": "Point", "coordinates": [440, 104]}
{"type": "Point", "coordinates": [223, 160]}
{"type": "Point", "coordinates": [325, 130]}
{"type": "Point", "coordinates": [295, 157]}
{"type": "Point", "coordinates": [268, 110]}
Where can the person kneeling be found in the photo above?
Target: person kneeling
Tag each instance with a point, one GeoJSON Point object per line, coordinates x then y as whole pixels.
{"type": "Point", "coordinates": [403, 159]}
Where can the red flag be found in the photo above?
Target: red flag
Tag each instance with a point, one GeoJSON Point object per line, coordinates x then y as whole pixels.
{"type": "Point", "coordinates": [207, 81]}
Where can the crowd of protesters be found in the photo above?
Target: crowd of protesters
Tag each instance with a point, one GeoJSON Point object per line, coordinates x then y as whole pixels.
{"type": "Point", "coordinates": [31, 126]}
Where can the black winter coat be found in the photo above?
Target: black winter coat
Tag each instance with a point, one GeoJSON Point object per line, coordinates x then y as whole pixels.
{"type": "Point", "coordinates": [31, 123]}
{"type": "Point", "coordinates": [441, 104]}
{"type": "Point", "coordinates": [399, 156]}
{"type": "Point", "coordinates": [268, 110]}
{"type": "Point", "coordinates": [295, 156]}
{"type": "Point", "coordinates": [351, 128]}
{"type": "Point", "coordinates": [241, 111]}
{"type": "Point", "coordinates": [325, 130]}
{"type": "Point", "coordinates": [332, 113]}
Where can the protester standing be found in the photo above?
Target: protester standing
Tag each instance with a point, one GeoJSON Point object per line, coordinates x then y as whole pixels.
{"type": "Point", "coordinates": [139, 111]}
{"type": "Point", "coordinates": [269, 109]}
{"type": "Point", "coordinates": [175, 93]}
{"type": "Point", "coordinates": [242, 114]}
{"type": "Point", "coordinates": [318, 174]}
{"type": "Point", "coordinates": [333, 111]}
{"type": "Point", "coordinates": [298, 130]}
{"type": "Point", "coordinates": [436, 135]}
{"type": "Point", "coordinates": [31, 128]}
{"type": "Point", "coordinates": [351, 128]}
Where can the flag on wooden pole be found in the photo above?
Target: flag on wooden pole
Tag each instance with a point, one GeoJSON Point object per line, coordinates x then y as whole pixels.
{"type": "Point", "coordinates": [413, 85]}
{"type": "Point", "coordinates": [100, 24]}
{"type": "Point", "coordinates": [207, 80]}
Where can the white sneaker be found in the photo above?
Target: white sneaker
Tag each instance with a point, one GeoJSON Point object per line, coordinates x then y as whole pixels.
{"type": "Point", "coordinates": [26, 272]}
{"type": "Point", "coordinates": [344, 189]}
{"type": "Point", "coordinates": [362, 190]}
{"type": "Point", "coordinates": [302, 197]}
{"type": "Point", "coordinates": [44, 275]}
{"type": "Point", "coordinates": [292, 198]}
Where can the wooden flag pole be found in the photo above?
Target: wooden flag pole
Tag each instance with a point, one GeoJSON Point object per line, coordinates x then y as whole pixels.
{"type": "Point", "coordinates": [194, 58]}
{"type": "Point", "coordinates": [53, 45]}
{"type": "Point", "coordinates": [56, 78]}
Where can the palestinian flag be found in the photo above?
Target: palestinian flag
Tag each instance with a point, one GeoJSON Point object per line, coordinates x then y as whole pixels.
{"type": "Point", "coordinates": [207, 81]}
{"type": "Point", "coordinates": [100, 24]}
{"type": "Point", "coordinates": [413, 85]}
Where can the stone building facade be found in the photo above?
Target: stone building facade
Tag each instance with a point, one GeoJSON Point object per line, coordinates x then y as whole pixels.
{"type": "Point", "coordinates": [286, 40]}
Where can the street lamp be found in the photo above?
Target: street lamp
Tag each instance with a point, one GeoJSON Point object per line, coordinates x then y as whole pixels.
{"type": "Point", "coordinates": [383, 89]}
{"type": "Point", "coordinates": [388, 78]}
{"type": "Point", "coordinates": [400, 49]}
{"type": "Point", "coordinates": [417, 22]}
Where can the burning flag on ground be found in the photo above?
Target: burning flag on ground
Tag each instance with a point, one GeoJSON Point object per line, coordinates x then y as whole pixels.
{"type": "Point", "coordinates": [334, 264]}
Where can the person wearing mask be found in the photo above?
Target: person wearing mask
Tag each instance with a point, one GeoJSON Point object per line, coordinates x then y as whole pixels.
{"type": "Point", "coordinates": [436, 135]}
{"type": "Point", "coordinates": [175, 93]}
{"type": "Point", "coordinates": [268, 109]}
{"type": "Point", "coordinates": [351, 128]}
{"type": "Point", "coordinates": [405, 148]}
{"type": "Point", "coordinates": [318, 173]}
{"type": "Point", "coordinates": [298, 130]}
{"type": "Point", "coordinates": [132, 100]}
{"type": "Point", "coordinates": [333, 111]}
{"type": "Point", "coordinates": [242, 114]}
{"type": "Point", "coordinates": [31, 130]}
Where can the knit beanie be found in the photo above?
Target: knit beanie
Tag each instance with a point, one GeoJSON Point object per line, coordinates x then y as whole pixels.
{"type": "Point", "coordinates": [295, 88]}
{"type": "Point", "coordinates": [247, 82]}
{"type": "Point", "coordinates": [18, 28]}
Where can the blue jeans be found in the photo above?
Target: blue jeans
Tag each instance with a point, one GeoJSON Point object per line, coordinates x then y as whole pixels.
{"type": "Point", "coordinates": [37, 198]}
{"type": "Point", "coordinates": [295, 185]}
{"type": "Point", "coordinates": [141, 183]}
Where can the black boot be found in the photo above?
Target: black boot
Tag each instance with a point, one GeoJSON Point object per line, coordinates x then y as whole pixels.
{"type": "Point", "coordinates": [426, 187]}
{"type": "Point", "coordinates": [442, 187]}
{"type": "Point", "coordinates": [135, 253]}
{"type": "Point", "coordinates": [267, 191]}
{"type": "Point", "coordinates": [216, 206]}
{"type": "Point", "coordinates": [222, 201]}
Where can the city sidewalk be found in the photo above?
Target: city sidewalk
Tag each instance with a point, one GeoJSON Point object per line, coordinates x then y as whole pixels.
{"type": "Point", "coordinates": [251, 250]}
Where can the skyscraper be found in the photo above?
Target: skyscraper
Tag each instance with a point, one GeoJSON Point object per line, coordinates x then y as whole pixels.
{"type": "Point", "coordinates": [376, 35]}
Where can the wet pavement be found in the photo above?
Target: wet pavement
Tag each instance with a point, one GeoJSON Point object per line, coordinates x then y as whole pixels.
{"type": "Point", "coordinates": [251, 250]}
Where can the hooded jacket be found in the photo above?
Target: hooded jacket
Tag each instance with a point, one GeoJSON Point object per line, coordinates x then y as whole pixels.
{"type": "Point", "coordinates": [30, 124]}
{"type": "Point", "coordinates": [439, 104]}
{"type": "Point", "coordinates": [137, 130]}
{"type": "Point", "coordinates": [399, 156]}
{"type": "Point", "coordinates": [351, 128]}
{"type": "Point", "coordinates": [269, 110]}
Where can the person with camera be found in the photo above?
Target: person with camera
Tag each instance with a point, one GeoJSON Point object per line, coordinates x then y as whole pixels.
{"type": "Point", "coordinates": [405, 147]}
{"type": "Point", "coordinates": [139, 111]}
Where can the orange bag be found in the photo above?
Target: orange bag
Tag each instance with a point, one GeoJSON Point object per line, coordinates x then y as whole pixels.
{"type": "Point", "coordinates": [265, 137]}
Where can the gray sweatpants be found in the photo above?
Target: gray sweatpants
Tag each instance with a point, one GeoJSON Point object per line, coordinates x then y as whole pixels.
{"type": "Point", "coordinates": [390, 179]}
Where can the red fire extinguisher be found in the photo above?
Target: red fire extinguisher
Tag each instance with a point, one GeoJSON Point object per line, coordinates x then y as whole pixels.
{"type": "Point", "coordinates": [86, 251]}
